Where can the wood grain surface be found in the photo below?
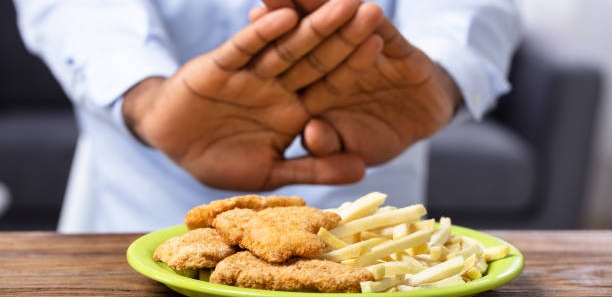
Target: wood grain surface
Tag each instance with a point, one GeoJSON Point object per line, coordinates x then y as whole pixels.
{"type": "Point", "coordinates": [557, 263]}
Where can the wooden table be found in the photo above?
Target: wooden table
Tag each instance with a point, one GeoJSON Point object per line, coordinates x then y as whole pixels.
{"type": "Point", "coordinates": [557, 263]}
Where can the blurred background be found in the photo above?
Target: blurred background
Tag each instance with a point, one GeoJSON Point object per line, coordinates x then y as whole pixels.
{"type": "Point", "coordinates": [542, 159]}
{"type": "Point", "coordinates": [582, 28]}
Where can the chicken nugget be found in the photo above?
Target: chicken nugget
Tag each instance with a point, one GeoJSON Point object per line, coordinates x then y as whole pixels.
{"type": "Point", "coordinates": [230, 224]}
{"type": "Point", "coordinates": [199, 248]}
{"type": "Point", "coordinates": [244, 269]}
{"type": "Point", "coordinates": [279, 233]}
{"type": "Point", "coordinates": [203, 215]}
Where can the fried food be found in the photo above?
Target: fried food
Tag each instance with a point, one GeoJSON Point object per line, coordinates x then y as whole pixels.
{"type": "Point", "coordinates": [199, 248]}
{"type": "Point", "coordinates": [360, 246]}
{"type": "Point", "coordinates": [230, 224]}
{"type": "Point", "coordinates": [279, 233]}
{"type": "Point", "coordinates": [203, 215]}
{"type": "Point", "coordinates": [244, 269]}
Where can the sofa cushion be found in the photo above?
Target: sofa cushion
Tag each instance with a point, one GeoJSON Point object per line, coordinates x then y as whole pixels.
{"type": "Point", "coordinates": [36, 153]}
{"type": "Point", "coordinates": [35, 157]}
{"type": "Point", "coordinates": [473, 160]}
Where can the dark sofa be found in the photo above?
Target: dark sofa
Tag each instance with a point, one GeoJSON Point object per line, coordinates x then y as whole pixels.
{"type": "Point", "coordinates": [524, 166]}
{"type": "Point", "coordinates": [527, 164]}
{"type": "Point", "coordinates": [37, 133]}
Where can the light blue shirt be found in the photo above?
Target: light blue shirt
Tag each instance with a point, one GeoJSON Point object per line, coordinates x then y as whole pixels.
{"type": "Point", "coordinates": [99, 49]}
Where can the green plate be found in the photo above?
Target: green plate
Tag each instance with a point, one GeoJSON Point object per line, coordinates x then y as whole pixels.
{"type": "Point", "coordinates": [140, 257]}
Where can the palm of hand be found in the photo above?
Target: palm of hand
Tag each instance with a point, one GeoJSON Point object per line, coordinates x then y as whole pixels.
{"type": "Point", "coordinates": [245, 120]}
{"type": "Point", "coordinates": [404, 98]}
{"type": "Point", "coordinates": [239, 140]}
{"type": "Point", "coordinates": [229, 126]}
{"type": "Point", "coordinates": [397, 103]}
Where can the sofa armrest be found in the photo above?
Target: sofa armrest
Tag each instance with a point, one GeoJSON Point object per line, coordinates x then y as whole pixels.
{"type": "Point", "coordinates": [553, 105]}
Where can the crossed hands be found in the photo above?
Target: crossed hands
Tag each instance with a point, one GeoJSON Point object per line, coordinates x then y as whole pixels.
{"type": "Point", "coordinates": [341, 76]}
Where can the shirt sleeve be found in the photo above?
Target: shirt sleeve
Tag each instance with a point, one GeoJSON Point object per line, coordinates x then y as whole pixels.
{"type": "Point", "coordinates": [473, 40]}
{"type": "Point", "coordinates": [97, 50]}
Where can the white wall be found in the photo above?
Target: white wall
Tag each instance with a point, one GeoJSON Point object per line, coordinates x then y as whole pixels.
{"type": "Point", "coordinates": [584, 26]}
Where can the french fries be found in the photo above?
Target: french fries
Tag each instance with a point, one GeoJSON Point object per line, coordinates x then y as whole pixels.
{"type": "Point", "coordinates": [408, 214]}
{"type": "Point", "coordinates": [361, 207]}
{"type": "Point", "coordinates": [437, 272]}
{"type": "Point", "coordinates": [389, 247]}
{"type": "Point", "coordinates": [402, 251]}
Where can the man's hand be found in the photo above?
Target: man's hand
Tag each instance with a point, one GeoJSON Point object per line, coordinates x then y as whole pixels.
{"type": "Point", "coordinates": [403, 98]}
{"type": "Point", "coordinates": [228, 116]}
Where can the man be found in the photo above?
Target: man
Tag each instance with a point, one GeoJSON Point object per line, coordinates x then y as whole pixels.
{"type": "Point", "coordinates": [183, 102]}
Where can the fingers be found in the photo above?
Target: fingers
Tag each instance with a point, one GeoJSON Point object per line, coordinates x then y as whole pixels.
{"type": "Point", "coordinates": [240, 49]}
{"type": "Point", "coordinates": [274, 4]}
{"type": "Point", "coordinates": [303, 6]}
{"type": "Point", "coordinates": [310, 32]}
{"type": "Point", "coordinates": [335, 49]}
{"type": "Point", "coordinates": [407, 64]}
{"type": "Point", "coordinates": [320, 138]}
{"type": "Point", "coordinates": [342, 81]}
{"type": "Point", "coordinates": [328, 170]}
{"type": "Point", "coordinates": [256, 12]}
{"type": "Point", "coordinates": [396, 45]}
{"type": "Point", "coordinates": [307, 6]}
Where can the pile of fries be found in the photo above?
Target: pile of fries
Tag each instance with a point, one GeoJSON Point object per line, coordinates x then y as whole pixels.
{"type": "Point", "coordinates": [402, 251]}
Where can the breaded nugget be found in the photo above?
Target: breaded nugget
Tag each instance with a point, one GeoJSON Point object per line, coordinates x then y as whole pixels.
{"type": "Point", "coordinates": [230, 224]}
{"type": "Point", "coordinates": [199, 248]}
{"type": "Point", "coordinates": [279, 233]}
{"type": "Point", "coordinates": [244, 269]}
{"type": "Point", "coordinates": [203, 215]}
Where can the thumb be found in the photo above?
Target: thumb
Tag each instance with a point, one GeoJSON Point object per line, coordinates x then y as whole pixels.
{"type": "Point", "coordinates": [328, 170]}
{"type": "Point", "coordinates": [320, 138]}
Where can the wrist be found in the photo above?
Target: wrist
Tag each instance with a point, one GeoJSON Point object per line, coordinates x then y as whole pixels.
{"type": "Point", "coordinates": [137, 102]}
{"type": "Point", "coordinates": [451, 88]}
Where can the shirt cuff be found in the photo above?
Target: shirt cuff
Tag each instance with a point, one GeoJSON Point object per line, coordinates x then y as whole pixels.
{"type": "Point", "coordinates": [107, 78]}
{"type": "Point", "coordinates": [479, 81]}
{"type": "Point", "coordinates": [110, 77]}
